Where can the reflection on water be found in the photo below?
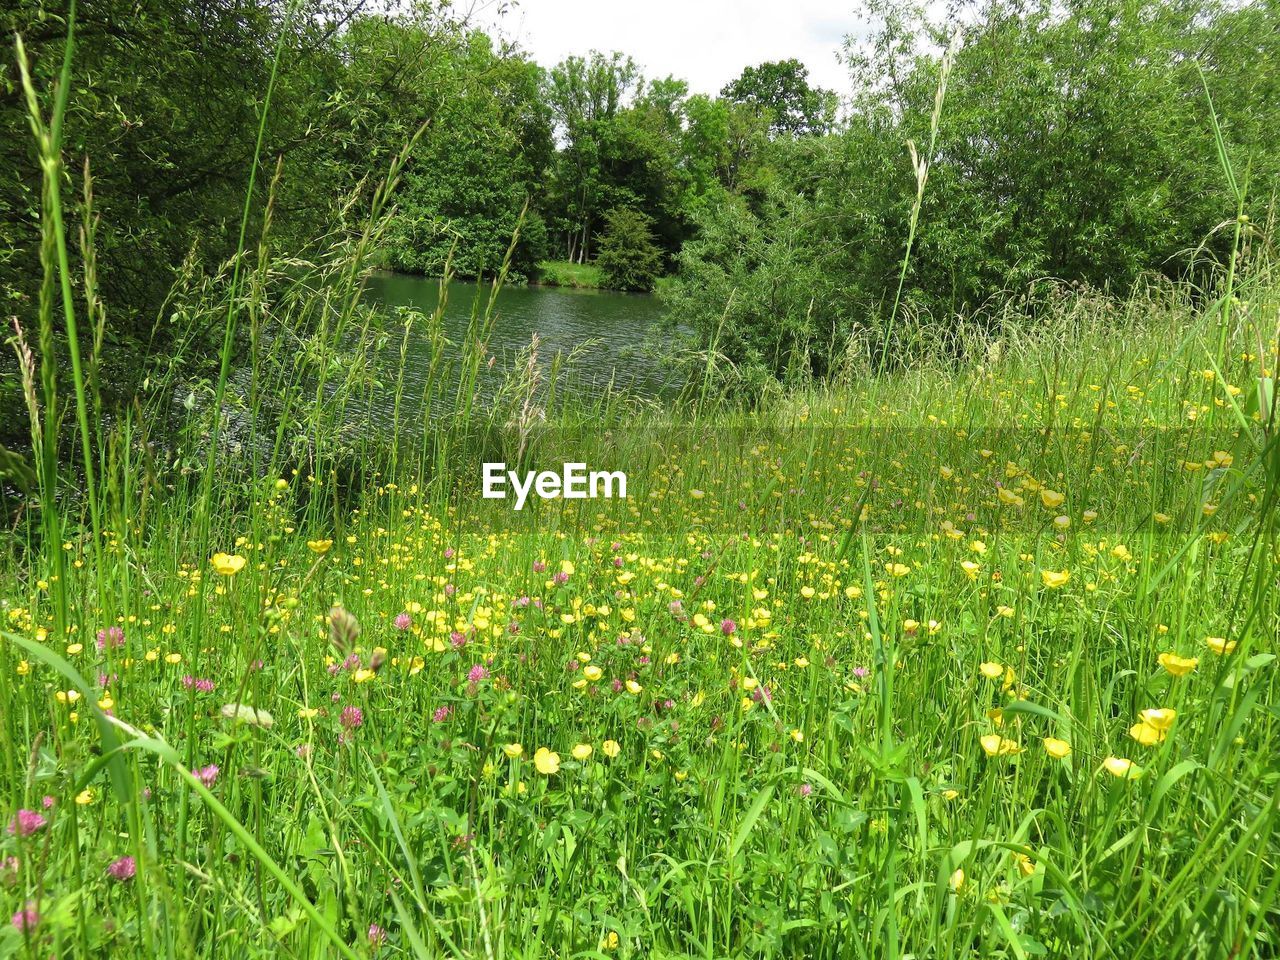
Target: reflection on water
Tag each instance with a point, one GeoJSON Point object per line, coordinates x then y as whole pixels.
{"type": "Point", "coordinates": [615, 335]}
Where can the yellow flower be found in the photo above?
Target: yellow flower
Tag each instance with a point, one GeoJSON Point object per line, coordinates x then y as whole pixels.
{"type": "Point", "coordinates": [633, 687]}
{"type": "Point", "coordinates": [1054, 579]}
{"type": "Point", "coordinates": [513, 750]}
{"type": "Point", "coordinates": [582, 751]}
{"type": "Point", "coordinates": [611, 748]}
{"type": "Point", "coordinates": [991, 670]}
{"type": "Point", "coordinates": [1220, 645]}
{"type": "Point", "coordinates": [546, 762]}
{"type": "Point", "coordinates": [1026, 866]}
{"type": "Point", "coordinates": [957, 880]}
{"type": "Point", "coordinates": [592, 672]}
{"type": "Point", "coordinates": [1051, 498]}
{"type": "Point", "coordinates": [1176, 665]}
{"type": "Point", "coordinates": [1061, 523]}
{"type": "Point", "coordinates": [24, 668]}
{"type": "Point", "coordinates": [998, 746]}
{"type": "Point", "coordinates": [307, 713]}
{"type": "Point", "coordinates": [1160, 717]}
{"type": "Point", "coordinates": [610, 941]}
{"type": "Point", "coordinates": [970, 568]}
{"type": "Point", "coordinates": [1056, 748]}
{"type": "Point", "coordinates": [899, 569]}
{"type": "Point", "coordinates": [227, 564]}
{"type": "Point", "coordinates": [363, 675]}
{"type": "Point", "coordinates": [1146, 734]}
{"type": "Point", "coordinates": [320, 547]}
{"type": "Point", "coordinates": [84, 797]}
{"type": "Point", "coordinates": [950, 794]}
{"type": "Point", "coordinates": [1122, 767]}
{"type": "Point", "coordinates": [1009, 498]}
{"type": "Point", "coordinates": [173, 658]}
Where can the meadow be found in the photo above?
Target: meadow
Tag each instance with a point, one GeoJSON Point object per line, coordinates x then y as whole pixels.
{"type": "Point", "coordinates": [971, 660]}
{"type": "Point", "coordinates": [967, 654]}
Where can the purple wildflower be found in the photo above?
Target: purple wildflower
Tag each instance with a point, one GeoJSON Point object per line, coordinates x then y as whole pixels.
{"type": "Point", "coordinates": [25, 823]}
{"type": "Point", "coordinates": [122, 869]}
{"type": "Point", "coordinates": [26, 919]}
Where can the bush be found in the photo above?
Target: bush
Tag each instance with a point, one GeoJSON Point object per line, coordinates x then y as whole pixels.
{"type": "Point", "coordinates": [629, 259]}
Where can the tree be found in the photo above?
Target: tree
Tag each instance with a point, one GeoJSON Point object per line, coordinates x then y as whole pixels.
{"type": "Point", "coordinates": [780, 92]}
{"type": "Point", "coordinates": [629, 259]}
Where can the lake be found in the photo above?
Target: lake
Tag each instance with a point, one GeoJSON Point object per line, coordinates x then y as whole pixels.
{"type": "Point", "coordinates": [616, 334]}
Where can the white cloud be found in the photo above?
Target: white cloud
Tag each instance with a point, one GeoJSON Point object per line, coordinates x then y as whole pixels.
{"type": "Point", "coordinates": [706, 42]}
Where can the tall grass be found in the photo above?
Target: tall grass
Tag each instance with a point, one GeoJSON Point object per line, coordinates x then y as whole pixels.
{"type": "Point", "coordinates": [832, 632]}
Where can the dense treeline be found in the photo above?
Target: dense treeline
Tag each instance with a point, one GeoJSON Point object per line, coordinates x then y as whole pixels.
{"type": "Point", "coordinates": [1075, 142]}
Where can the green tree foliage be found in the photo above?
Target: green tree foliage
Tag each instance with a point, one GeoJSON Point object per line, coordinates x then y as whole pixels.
{"type": "Point", "coordinates": [1075, 143]}
{"type": "Point", "coordinates": [629, 258]}
{"type": "Point", "coordinates": [480, 159]}
{"type": "Point", "coordinates": [779, 91]}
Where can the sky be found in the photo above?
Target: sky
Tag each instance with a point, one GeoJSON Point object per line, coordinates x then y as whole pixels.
{"type": "Point", "coordinates": [705, 42]}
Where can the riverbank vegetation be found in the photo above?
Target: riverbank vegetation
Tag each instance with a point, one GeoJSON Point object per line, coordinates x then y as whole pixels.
{"type": "Point", "coordinates": [941, 627]}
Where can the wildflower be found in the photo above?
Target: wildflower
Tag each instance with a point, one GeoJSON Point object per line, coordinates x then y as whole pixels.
{"type": "Point", "coordinates": [1177, 666]}
{"type": "Point", "coordinates": [1053, 579]}
{"type": "Point", "coordinates": [479, 672]}
{"type": "Point", "coordinates": [633, 687]}
{"type": "Point", "coordinates": [592, 672]}
{"type": "Point", "coordinates": [26, 919]}
{"type": "Point", "coordinates": [1220, 645]}
{"type": "Point", "coordinates": [441, 714]}
{"type": "Point", "coordinates": [110, 637]}
{"type": "Point", "coordinates": [611, 748]}
{"type": "Point", "coordinates": [319, 547]}
{"type": "Point", "coordinates": [377, 935]}
{"type": "Point", "coordinates": [956, 882]}
{"type": "Point", "coordinates": [998, 746]}
{"type": "Point", "coordinates": [1009, 498]}
{"type": "Point", "coordinates": [1026, 866]}
{"type": "Point", "coordinates": [206, 775]}
{"type": "Point", "coordinates": [513, 750]}
{"type": "Point", "coordinates": [1058, 749]}
{"type": "Point", "coordinates": [1122, 767]}
{"type": "Point", "coordinates": [1161, 718]}
{"type": "Point", "coordinates": [728, 627]}
{"type": "Point", "coordinates": [122, 869]}
{"type": "Point", "coordinates": [546, 762]}
{"type": "Point", "coordinates": [1051, 498]}
{"type": "Point", "coordinates": [351, 717]}
{"type": "Point", "coordinates": [227, 564]}
{"type": "Point", "coordinates": [991, 670]}
{"type": "Point", "coordinates": [25, 823]}
{"type": "Point", "coordinates": [582, 751]}
{"type": "Point", "coordinates": [1145, 734]}
{"type": "Point", "coordinates": [403, 621]}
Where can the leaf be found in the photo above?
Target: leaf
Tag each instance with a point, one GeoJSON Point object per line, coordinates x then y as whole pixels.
{"type": "Point", "coordinates": [753, 814]}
